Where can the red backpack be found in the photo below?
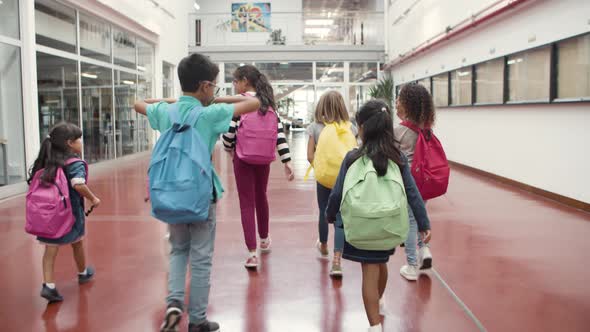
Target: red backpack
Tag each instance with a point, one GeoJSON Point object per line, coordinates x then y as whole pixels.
{"type": "Point", "coordinates": [430, 167]}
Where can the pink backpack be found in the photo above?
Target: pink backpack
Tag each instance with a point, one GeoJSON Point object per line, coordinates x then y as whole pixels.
{"type": "Point", "coordinates": [49, 211]}
{"type": "Point", "coordinates": [256, 137]}
{"type": "Point", "coordinates": [430, 167]}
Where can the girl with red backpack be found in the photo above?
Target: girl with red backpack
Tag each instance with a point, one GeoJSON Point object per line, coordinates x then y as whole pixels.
{"type": "Point", "coordinates": [58, 182]}
{"type": "Point", "coordinates": [428, 162]}
{"type": "Point", "coordinates": [254, 138]}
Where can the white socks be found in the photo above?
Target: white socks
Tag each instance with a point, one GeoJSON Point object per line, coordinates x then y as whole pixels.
{"type": "Point", "coordinates": [382, 306]}
{"type": "Point", "coordinates": [376, 328]}
{"type": "Point", "coordinates": [50, 285]}
{"type": "Point", "coordinates": [83, 273]}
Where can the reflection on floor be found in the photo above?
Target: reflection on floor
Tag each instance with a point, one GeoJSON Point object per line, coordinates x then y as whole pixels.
{"type": "Point", "coordinates": [514, 262]}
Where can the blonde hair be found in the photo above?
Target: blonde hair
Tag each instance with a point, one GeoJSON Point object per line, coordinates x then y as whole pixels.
{"type": "Point", "coordinates": [331, 108]}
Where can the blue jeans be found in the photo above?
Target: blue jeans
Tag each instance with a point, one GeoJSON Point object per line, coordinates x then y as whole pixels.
{"type": "Point", "coordinates": [195, 241]}
{"type": "Point", "coordinates": [323, 194]}
{"type": "Point", "coordinates": [413, 237]}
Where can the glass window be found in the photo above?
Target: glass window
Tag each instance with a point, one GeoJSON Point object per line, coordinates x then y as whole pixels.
{"type": "Point", "coordinates": [298, 100]}
{"type": "Point", "coordinates": [9, 18]}
{"type": "Point", "coordinates": [287, 71]}
{"type": "Point", "coordinates": [126, 117]}
{"type": "Point", "coordinates": [124, 49]}
{"type": "Point", "coordinates": [425, 82]}
{"type": "Point", "coordinates": [144, 90]}
{"type": "Point", "coordinates": [57, 85]}
{"type": "Point", "coordinates": [528, 75]}
{"type": "Point", "coordinates": [461, 86]}
{"type": "Point", "coordinates": [230, 68]}
{"type": "Point", "coordinates": [327, 72]}
{"type": "Point", "coordinates": [12, 144]}
{"type": "Point", "coordinates": [167, 80]}
{"type": "Point", "coordinates": [363, 72]}
{"type": "Point", "coordinates": [95, 39]}
{"type": "Point", "coordinates": [145, 58]}
{"type": "Point", "coordinates": [97, 113]}
{"type": "Point", "coordinates": [489, 82]}
{"type": "Point", "coordinates": [573, 68]}
{"type": "Point", "coordinates": [358, 95]}
{"type": "Point", "coordinates": [440, 85]}
{"type": "Point", "coordinates": [55, 25]}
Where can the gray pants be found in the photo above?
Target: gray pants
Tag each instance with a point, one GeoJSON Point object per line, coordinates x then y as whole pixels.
{"type": "Point", "coordinates": [194, 241]}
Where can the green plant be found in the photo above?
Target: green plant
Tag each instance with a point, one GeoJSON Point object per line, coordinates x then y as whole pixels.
{"type": "Point", "coordinates": [284, 104]}
{"type": "Point", "coordinates": [383, 90]}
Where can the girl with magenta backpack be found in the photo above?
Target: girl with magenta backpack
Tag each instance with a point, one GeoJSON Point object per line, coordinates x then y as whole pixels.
{"type": "Point", "coordinates": [254, 138]}
{"type": "Point", "coordinates": [428, 162]}
{"type": "Point", "coordinates": [55, 203]}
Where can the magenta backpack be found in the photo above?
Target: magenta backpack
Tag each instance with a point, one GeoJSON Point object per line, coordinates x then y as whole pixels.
{"type": "Point", "coordinates": [430, 167]}
{"type": "Point", "coordinates": [49, 211]}
{"type": "Point", "coordinates": [256, 137]}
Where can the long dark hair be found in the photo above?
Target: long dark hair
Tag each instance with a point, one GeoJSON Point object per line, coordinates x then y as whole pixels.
{"type": "Point", "coordinates": [417, 104]}
{"type": "Point", "coordinates": [255, 78]}
{"type": "Point", "coordinates": [54, 151]}
{"type": "Point", "coordinates": [376, 121]}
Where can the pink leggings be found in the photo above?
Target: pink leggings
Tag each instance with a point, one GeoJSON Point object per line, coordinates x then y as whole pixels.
{"type": "Point", "coordinates": [252, 181]}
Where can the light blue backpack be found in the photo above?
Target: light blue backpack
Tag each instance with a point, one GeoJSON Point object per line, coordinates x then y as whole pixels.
{"type": "Point", "coordinates": [180, 172]}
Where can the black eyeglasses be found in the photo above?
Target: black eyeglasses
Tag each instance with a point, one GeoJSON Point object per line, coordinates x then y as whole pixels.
{"type": "Point", "coordinates": [217, 89]}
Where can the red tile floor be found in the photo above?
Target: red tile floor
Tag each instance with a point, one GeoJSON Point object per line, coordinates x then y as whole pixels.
{"type": "Point", "coordinates": [505, 260]}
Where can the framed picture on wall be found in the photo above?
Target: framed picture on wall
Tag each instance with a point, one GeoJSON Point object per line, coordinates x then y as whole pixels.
{"type": "Point", "coordinates": [250, 17]}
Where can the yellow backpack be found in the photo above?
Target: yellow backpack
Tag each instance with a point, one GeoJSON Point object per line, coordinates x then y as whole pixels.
{"type": "Point", "coordinates": [335, 141]}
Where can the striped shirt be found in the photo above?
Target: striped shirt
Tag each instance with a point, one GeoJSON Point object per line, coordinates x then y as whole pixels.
{"type": "Point", "coordinates": [229, 139]}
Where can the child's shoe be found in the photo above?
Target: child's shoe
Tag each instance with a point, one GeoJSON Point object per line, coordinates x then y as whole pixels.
{"type": "Point", "coordinates": [324, 253]}
{"type": "Point", "coordinates": [252, 261]}
{"type": "Point", "coordinates": [172, 318]}
{"type": "Point", "coordinates": [410, 272]}
{"type": "Point", "coordinates": [265, 245]}
{"type": "Point", "coordinates": [51, 294]}
{"type": "Point", "coordinates": [206, 326]}
{"type": "Point", "coordinates": [86, 276]}
{"type": "Point", "coordinates": [336, 270]}
{"type": "Point", "coordinates": [425, 258]}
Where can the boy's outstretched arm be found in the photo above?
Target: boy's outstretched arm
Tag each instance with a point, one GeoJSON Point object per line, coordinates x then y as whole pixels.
{"type": "Point", "coordinates": [140, 106]}
{"type": "Point", "coordinates": [242, 105]}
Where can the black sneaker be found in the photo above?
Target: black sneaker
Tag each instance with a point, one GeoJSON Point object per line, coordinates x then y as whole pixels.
{"type": "Point", "coordinates": [173, 316]}
{"type": "Point", "coordinates": [51, 295]}
{"type": "Point", "coordinates": [84, 278]}
{"type": "Point", "coordinates": [206, 326]}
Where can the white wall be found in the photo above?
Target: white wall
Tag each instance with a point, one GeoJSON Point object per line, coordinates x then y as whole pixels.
{"type": "Point", "coordinates": [544, 146]}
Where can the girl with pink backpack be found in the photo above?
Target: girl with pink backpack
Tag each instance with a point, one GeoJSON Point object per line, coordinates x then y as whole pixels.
{"type": "Point", "coordinates": [254, 138]}
{"type": "Point", "coordinates": [55, 203]}
{"type": "Point", "coordinates": [429, 165]}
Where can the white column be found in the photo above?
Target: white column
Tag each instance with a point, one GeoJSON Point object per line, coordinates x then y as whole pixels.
{"type": "Point", "coordinates": [29, 82]}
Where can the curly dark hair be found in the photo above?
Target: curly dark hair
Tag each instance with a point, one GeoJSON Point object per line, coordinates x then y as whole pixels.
{"type": "Point", "coordinates": [417, 104]}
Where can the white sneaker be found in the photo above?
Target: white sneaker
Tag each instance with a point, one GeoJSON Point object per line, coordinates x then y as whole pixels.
{"type": "Point", "coordinates": [252, 261]}
{"type": "Point", "coordinates": [382, 307]}
{"type": "Point", "coordinates": [376, 328]}
{"type": "Point", "coordinates": [265, 245]}
{"type": "Point", "coordinates": [425, 258]}
{"type": "Point", "coordinates": [410, 272]}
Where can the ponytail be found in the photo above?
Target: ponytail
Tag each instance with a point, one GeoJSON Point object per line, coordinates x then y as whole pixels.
{"type": "Point", "coordinates": [264, 91]}
{"type": "Point", "coordinates": [378, 138]}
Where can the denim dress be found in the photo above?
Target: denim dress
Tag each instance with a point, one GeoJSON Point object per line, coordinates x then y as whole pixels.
{"type": "Point", "coordinates": [75, 172]}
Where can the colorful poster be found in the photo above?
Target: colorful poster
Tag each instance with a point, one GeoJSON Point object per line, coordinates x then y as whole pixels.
{"type": "Point", "coordinates": [250, 17]}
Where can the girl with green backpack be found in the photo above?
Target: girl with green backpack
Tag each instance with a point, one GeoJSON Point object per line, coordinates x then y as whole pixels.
{"type": "Point", "coordinates": [372, 193]}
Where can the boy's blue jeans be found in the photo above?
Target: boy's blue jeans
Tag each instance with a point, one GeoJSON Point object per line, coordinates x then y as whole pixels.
{"type": "Point", "coordinates": [194, 241]}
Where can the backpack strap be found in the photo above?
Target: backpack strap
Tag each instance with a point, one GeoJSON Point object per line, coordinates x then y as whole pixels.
{"type": "Point", "coordinates": [411, 125]}
{"type": "Point", "coordinates": [72, 160]}
{"type": "Point", "coordinates": [173, 114]}
{"type": "Point", "coordinates": [193, 116]}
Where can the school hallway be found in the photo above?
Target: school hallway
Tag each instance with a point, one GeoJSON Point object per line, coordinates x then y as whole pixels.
{"type": "Point", "coordinates": [505, 260]}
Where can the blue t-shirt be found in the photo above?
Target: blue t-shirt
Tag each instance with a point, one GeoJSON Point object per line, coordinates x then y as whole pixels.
{"type": "Point", "coordinates": [214, 121]}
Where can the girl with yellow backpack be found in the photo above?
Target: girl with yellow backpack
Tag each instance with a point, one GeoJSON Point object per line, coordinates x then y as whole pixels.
{"type": "Point", "coordinates": [331, 136]}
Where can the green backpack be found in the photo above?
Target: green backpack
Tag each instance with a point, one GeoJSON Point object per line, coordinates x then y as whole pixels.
{"type": "Point", "coordinates": [374, 208]}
